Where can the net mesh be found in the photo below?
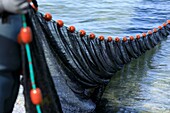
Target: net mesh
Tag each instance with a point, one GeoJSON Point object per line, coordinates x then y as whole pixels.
{"type": "Point", "coordinates": [73, 71]}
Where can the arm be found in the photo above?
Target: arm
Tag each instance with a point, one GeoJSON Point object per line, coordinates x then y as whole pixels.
{"type": "Point", "coordinates": [14, 6]}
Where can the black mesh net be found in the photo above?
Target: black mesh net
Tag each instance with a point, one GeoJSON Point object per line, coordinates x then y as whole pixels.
{"type": "Point", "coordinates": [72, 71]}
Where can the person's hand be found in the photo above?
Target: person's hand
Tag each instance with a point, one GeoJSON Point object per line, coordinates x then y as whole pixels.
{"type": "Point", "coordinates": [14, 6]}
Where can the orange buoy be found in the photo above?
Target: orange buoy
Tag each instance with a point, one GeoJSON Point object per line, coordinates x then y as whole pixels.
{"type": "Point", "coordinates": [137, 36]}
{"type": "Point", "coordinates": [101, 38]}
{"type": "Point", "coordinates": [47, 16]}
{"type": "Point", "coordinates": [36, 96]}
{"type": "Point", "coordinates": [164, 24]}
{"type": "Point", "coordinates": [117, 39]}
{"type": "Point", "coordinates": [109, 39]}
{"type": "Point", "coordinates": [124, 39]}
{"type": "Point", "coordinates": [71, 29]}
{"type": "Point", "coordinates": [131, 38]}
{"type": "Point", "coordinates": [92, 36]}
{"type": "Point", "coordinates": [25, 35]}
{"type": "Point", "coordinates": [154, 30]}
{"type": "Point", "coordinates": [168, 21]}
{"type": "Point", "coordinates": [160, 27]}
{"type": "Point", "coordinates": [144, 34]}
{"type": "Point", "coordinates": [82, 33]}
{"type": "Point", "coordinates": [149, 32]}
{"type": "Point", "coordinates": [60, 23]}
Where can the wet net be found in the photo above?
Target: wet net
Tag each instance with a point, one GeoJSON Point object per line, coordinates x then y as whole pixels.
{"type": "Point", "coordinates": [73, 70]}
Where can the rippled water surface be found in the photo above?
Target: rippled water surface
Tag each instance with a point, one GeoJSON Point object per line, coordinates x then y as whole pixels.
{"type": "Point", "coordinates": [144, 84]}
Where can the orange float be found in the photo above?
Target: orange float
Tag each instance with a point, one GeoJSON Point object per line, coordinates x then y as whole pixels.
{"type": "Point", "coordinates": [25, 35]}
{"type": "Point", "coordinates": [101, 38]}
{"type": "Point", "coordinates": [47, 16]}
{"type": "Point", "coordinates": [117, 39]}
{"type": "Point", "coordinates": [164, 24]}
{"type": "Point", "coordinates": [60, 23]}
{"type": "Point", "coordinates": [82, 33]}
{"type": "Point", "coordinates": [154, 30]}
{"type": "Point", "coordinates": [109, 39]}
{"type": "Point", "coordinates": [149, 32]}
{"type": "Point", "coordinates": [92, 36]}
{"type": "Point", "coordinates": [144, 34]}
{"type": "Point", "coordinates": [160, 27]}
{"type": "Point", "coordinates": [131, 38]}
{"type": "Point", "coordinates": [71, 29]}
{"type": "Point", "coordinates": [124, 39]}
{"type": "Point", "coordinates": [137, 36]}
{"type": "Point", "coordinates": [36, 96]}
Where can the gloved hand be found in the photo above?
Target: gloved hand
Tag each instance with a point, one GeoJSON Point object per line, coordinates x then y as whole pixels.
{"type": "Point", "coordinates": [14, 6]}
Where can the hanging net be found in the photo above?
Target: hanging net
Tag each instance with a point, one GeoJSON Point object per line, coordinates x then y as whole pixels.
{"type": "Point", "coordinates": [72, 69]}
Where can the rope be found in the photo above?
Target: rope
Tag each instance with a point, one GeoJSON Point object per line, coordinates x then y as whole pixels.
{"type": "Point", "coordinates": [28, 52]}
{"type": "Point", "coordinates": [30, 63]}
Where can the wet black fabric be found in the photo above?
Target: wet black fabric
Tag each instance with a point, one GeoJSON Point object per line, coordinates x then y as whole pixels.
{"type": "Point", "coordinates": [167, 29]}
{"type": "Point", "coordinates": [147, 42]}
{"type": "Point", "coordinates": [141, 45]}
{"type": "Point", "coordinates": [129, 50]}
{"type": "Point", "coordinates": [135, 47]}
{"type": "Point", "coordinates": [73, 71]}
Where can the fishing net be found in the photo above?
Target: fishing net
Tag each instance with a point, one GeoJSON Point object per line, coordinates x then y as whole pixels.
{"type": "Point", "coordinates": [73, 70]}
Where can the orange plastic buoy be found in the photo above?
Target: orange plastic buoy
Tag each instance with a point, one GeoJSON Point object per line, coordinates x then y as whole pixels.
{"type": "Point", "coordinates": [168, 21]}
{"type": "Point", "coordinates": [82, 33]}
{"type": "Point", "coordinates": [117, 39]}
{"type": "Point", "coordinates": [131, 38]}
{"type": "Point", "coordinates": [124, 39]}
{"type": "Point", "coordinates": [36, 96]}
{"type": "Point", "coordinates": [92, 36]}
{"type": "Point", "coordinates": [154, 30]}
{"type": "Point", "coordinates": [47, 16]}
{"type": "Point", "coordinates": [164, 24]}
{"type": "Point", "coordinates": [25, 35]}
{"type": "Point", "coordinates": [149, 32]}
{"type": "Point", "coordinates": [137, 36]}
{"type": "Point", "coordinates": [144, 34]}
{"type": "Point", "coordinates": [160, 27]}
{"type": "Point", "coordinates": [101, 38]}
{"type": "Point", "coordinates": [109, 39]}
{"type": "Point", "coordinates": [60, 23]}
{"type": "Point", "coordinates": [71, 29]}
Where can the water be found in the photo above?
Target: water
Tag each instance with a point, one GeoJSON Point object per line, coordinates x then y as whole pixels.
{"type": "Point", "coordinates": [144, 83]}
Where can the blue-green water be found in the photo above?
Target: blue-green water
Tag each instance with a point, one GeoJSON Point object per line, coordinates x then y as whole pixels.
{"type": "Point", "coordinates": [144, 84]}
